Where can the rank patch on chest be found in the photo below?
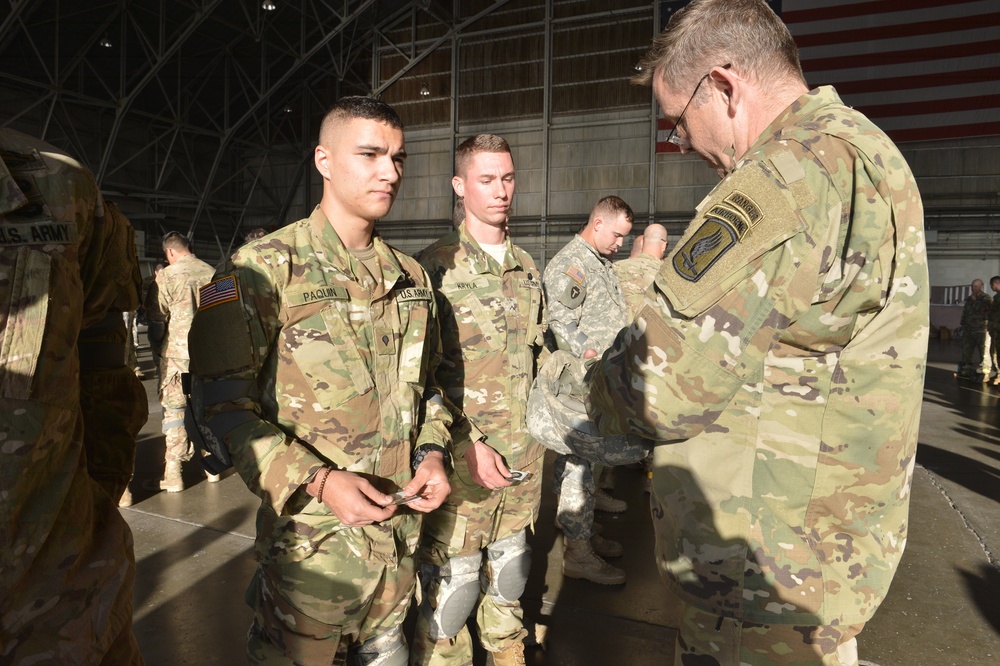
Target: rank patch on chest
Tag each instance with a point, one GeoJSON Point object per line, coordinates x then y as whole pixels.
{"type": "Point", "coordinates": [215, 293]}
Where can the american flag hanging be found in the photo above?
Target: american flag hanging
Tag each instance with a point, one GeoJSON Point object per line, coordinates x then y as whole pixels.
{"type": "Point", "coordinates": [920, 69]}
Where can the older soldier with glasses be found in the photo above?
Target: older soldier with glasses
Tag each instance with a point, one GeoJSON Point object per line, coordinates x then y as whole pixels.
{"type": "Point", "coordinates": [779, 357]}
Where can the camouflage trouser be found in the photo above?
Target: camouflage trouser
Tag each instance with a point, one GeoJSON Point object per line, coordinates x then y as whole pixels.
{"type": "Point", "coordinates": [574, 481]}
{"type": "Point", "coordinates": [709, 640]}
{"type": "Point", "coordinates": [973, 344]}
{"type": "Point", "coordinates": [471, 519]}
{"type": "Point", "coordinates": [178, 447]}
{"type": "Point", "coordinates": [313, 611]}
{"type": "Point", "coordinates": [114, 409]}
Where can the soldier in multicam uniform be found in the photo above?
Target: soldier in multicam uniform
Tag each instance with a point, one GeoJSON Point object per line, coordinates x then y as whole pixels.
{"type": "Point", "coordinates": [313, 352]}
{"type": "Point", "coordinates": [66, 275]}
{"type": "Point", "coordinates": [781, 352]}
{"type": "Point", "coordinates": [492, 332]}
{"type": "Point", "coordinates": [636, 273]}
{"type": "Point", "coordinates": [993, 327]}
{"type": "Point", "coordinates": [975, 315]}
{"type": "Point", "coordinates": [172, 300]}
{"type": "Point", "coordinates": [586, 311]}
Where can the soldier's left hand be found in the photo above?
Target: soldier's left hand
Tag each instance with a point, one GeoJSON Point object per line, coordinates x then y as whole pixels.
{"type": "Point", "coordinates": [430, 482]}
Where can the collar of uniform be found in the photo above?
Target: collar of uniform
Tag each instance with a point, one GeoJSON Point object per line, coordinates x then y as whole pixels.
{"type": "Point", "coordinates": [340, 257]}
{"type": "Point", "coordinates": [806, 106]}
{"type": "Point", "coordinates": [11, 196]}
{"type": "Point", "coordinates": [579, 239]}
{"type": "Point", "coordinates": [479, 260]}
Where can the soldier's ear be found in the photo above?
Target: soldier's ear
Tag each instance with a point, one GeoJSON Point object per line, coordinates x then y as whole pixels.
{"type": "Point", "coordinates": [458, 184]}
{"type": "Point", "coordinates": [322, 161]}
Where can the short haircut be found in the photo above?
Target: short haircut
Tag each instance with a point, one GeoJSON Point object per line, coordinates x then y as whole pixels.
{"type": "Point", "coordinates": [480, 143]}
{"type": "Point", "coordinates": [711, 33]}
{"type": "Point", "coordinates": [356, 106]}
{"type": "Point", "coordinates": [995, 278]}
{"type": "Point", "coordinates": [610, 207]}
{"type": "Point", "coordinates": [175, 240]}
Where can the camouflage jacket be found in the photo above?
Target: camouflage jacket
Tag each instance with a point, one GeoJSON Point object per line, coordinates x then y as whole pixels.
{"type": "Point", "coordinates": [173, 299]}
{"type": "Point", "coordinates": [65, 551]}
{"type": "Point", "coordinates": [782, 352]}
{"type": "Point", "coordinates": [304, 367]}
{"type": "Point", "coordinates": [492, 332]}
{"type": "Point", "coordinates": [994, 317]}
{"type": "Point", "coordinates": [585, 302]}
{"type": "Point", "coordinates": [976, 312]}
{"type": "Point", "coordinates": [635, 274]}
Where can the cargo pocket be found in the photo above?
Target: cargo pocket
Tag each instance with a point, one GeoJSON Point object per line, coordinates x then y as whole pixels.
{"type": "Point", "coordinates": [325, 353]}
{"type": "Point", "coordinates": [286, 629]}
{"type": "Point", "coordinates": [24, 306]}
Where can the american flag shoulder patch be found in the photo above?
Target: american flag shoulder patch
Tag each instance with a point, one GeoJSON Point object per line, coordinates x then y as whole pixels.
{"type": "Point", "coordinates": [220, 291]}
{"type": "Point", "coordinates": [576, 274]}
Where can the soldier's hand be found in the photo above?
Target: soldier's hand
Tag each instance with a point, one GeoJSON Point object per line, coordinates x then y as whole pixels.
{"type": "Point", "coordinates": [589, 354]}
{"type": "Point", "coordinates": [486, 466]}
{"type": "Point", "coordinates": [353, 499]}
{"type": "Point", "coordinates": [430, 483]}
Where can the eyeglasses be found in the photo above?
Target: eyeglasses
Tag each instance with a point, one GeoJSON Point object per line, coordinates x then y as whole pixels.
{"type": "Point", "coordinates": [673, 136]}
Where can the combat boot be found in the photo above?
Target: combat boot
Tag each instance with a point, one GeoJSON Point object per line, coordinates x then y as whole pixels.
{"type": "Point", "coordinates": [580, 561]}
{"type": "Point", "coordinates": [606, 547]}
{"type": "Point", "coordinates": [512, 656]}
{"type": "Point", "coordinates": [126, 498]}
{"type": "Point", "coordinates": [172, 481]}
{"type": "Point", "coordinates": [605, 502]}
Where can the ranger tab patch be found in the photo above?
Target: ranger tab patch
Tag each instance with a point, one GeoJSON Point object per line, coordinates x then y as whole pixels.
{"type": "Point", "coordinates": [215, 293]}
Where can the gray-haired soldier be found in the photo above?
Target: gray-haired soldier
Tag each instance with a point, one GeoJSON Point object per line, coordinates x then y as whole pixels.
{"type": "Point", "coordinates": [779, 357]}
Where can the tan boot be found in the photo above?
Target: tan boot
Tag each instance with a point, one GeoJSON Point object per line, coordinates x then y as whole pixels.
{"type": "Point", "coordinates": [172, 481]}
{"type": "Point", "coordinates": [606, 547]}
{"type": "Point", "coordinates": [512, 656]}
{"type": "Point", "coordinates": [605, 502]}
{"type": "Point", "coordinates": [126, 498]}
{"type": "Point", "coordinates": [580, 561]}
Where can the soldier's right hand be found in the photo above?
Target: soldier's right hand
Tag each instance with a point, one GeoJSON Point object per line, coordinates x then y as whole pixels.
{"type": "Point", "coordinates": [354, 500]}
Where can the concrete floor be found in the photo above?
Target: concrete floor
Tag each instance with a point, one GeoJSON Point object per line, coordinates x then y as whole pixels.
{"type": "Point", "coordinates": [194, 557]}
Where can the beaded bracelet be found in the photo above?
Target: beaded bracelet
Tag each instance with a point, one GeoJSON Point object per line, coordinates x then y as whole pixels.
{"type": "Point", "coordinates": [322, 483]}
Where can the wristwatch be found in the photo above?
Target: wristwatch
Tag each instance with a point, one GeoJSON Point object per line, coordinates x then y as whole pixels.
{"type": "Point", "coordinates": [424, 449]}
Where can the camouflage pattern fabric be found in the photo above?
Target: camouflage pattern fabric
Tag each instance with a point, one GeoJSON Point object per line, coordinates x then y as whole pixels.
{"type": "Point", "coordinates": [304, 612]}
{"type": "Point", "coordinates": [336, 375]}
{"type": "Point", "coordinates": [586, 311]}
{"type": "Point", "coordinates": [782, 350]}
{"type": "Point", "coordinates": [492, 333]}
{"type": "Point", "coordinates": [66, 560]}
{"type": "Point", "coordinates": [635, 274]}
{"type": "Point", "coordinates": [709, 640]}
{"type": "Point", "coordinates": [172, 300]}
{"type": "Point", "coordinates": [975, 315]}
{"type": "Point", "coordinates": [585, 302]}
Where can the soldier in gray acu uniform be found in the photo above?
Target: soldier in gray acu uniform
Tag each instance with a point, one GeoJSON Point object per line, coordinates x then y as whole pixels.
{"type": "Point", "coordinates": [313, 354]}
{"type": "Point", "coordinates": [586, 310]}
{"type": "Point", "coordinates": [779, 356]}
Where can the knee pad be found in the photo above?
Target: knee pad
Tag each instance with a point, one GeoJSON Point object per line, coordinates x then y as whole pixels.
{"type": "Point", "coordinates": [452, 591]}
{"type": "Point", "coordinates": [389, 649]}
{"type": "Point", "coordinates": [509, 562]}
